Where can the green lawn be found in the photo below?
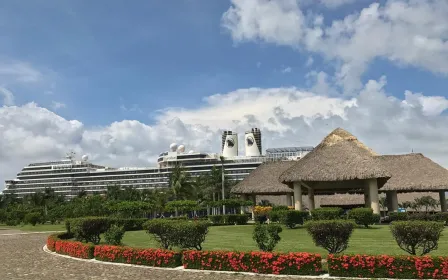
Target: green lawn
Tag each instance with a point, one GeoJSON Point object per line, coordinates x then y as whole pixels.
{"type": "Point", "coordinates": [376, 240]}
{"type": "Point", "coordinates": [46, 227]}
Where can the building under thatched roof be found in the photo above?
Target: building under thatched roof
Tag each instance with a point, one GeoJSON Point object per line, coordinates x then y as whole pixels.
{"type": "Point", "coordinates": [339, 157]}
{"type": "Point", "coordinates": [413, 172]}
{"type": "Point", "coordinates": [264, 180]}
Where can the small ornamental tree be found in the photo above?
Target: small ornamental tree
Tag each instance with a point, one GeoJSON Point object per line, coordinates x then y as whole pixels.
{"type": "Point", "coordinates": [162, 231]}
{"type": "Point", "coordinates": [417, 237]}
{"type": "Point", "coordinates": [114, 235]}
{"type": "Point", "coordinates": [32, 218]}
{"type": "Point", "coordinates": [292, 218]}
{"type": "Point", "coordinates": [332, 235]}
{"type": "Point", "coordinates": [267, 236]}
{"type": "Point", "coordinates": [363, 216]}
{"type": "Point", "coordinates": [89, 229]}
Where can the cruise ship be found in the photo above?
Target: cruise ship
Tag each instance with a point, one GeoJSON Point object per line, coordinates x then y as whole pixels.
{"type": "Point", "coordinates": [70, 176]}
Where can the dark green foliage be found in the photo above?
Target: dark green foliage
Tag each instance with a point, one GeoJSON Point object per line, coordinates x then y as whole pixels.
{"type": "Point", "coordinates": [89, 229]}
{"type": "Point", "coordinates": [129, 224]}
{"type": "Point", "coordinates": [114, 235]}
{"type": "Point", "coordinates": [332, 235]}
{"type": "Point", "coordinates": [238, 219]}
{"type": "Point", "coordinates": [417, 237]}
{"type": "Point", "coordinates": [217, 219]}
{"type": "Point", "coordinates": [33, 218]}
{"type": "Point", "coordinates": [363, 216]}
{"type": "Point", "coordinates": [398, 216]}
{"type": "Point", "coordinates": [327, 213]}
{"type": "Point", "coordinates": [267, 236]}
{"type": "Point", "coordinates": [182, 234]}
{"type": "Point", "coordinates": [292, 218]}
{"type": "Point", "coordinates": [277, 216]}
{"type": "Point", "coordinates": [441, 217]}
{"type": "Point", "coordinates": [280, 208]}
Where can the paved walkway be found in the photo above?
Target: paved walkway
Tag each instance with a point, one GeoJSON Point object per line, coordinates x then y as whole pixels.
{"type": "Point", "coordinates": [22, 257]}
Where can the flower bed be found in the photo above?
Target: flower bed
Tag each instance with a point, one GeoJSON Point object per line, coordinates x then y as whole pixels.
{"type": "Point", "coordinates": [58, 243]}
{"type": "Point", "coordinates": [258, 262]}
{"type": "Point", "coordinates": [149, 257]}
{"type": "Point", "coordinates": [407, 267]}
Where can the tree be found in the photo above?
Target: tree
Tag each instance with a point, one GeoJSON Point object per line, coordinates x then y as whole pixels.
{"type": "Point", "coordinates": [426, 202]}
{"type": "Point", "coordinates": [180, 183]}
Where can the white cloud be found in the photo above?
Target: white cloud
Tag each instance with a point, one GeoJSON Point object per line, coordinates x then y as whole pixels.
{"type": "Point", "coordinates": [336, 3]}
{"type": "Point", "coordinates": [309, 61]}
{"type": "Point", "coordinates": [58, 105]}
{"type": "Point", "coordinates": [287, 117]}
{"type": "Point", "coordinates": [287, 70]}
{"type": "Point", "coordinates": [19, 71]}
{"type": "Point", "coordinates": [8, 96]}
{"type": "Point", "coordinates": [405, 32]}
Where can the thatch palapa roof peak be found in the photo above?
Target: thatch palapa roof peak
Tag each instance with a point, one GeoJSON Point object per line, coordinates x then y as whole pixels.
{"type": "Point", "coordinates": [413, 172]}
{"type": "Point", "coordinates": [339, 157]}
{"type": "Point", "coordinates": [264, 180]}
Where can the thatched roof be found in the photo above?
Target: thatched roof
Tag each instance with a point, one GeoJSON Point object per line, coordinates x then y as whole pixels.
{"type": "Point", "coordinates": [339, 157]}
{"type": "Point", "coordinates": [414, 172]}
{"type": "Point", "coordinates": [264, 180]}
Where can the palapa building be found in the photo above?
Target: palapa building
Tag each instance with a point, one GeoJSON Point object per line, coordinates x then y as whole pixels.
{"type": "Point", "coordinates": [341, 164]}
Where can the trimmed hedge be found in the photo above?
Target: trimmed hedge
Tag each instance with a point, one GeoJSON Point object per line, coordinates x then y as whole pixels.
{"type": "Point", "coordinates": [403, 267]}
{"type": "Point", "coordinates": [231, 219]}
{"type": "Point", "coordinates": [293, 218]}
{"type": "Point", "coordinates": [127, 224]}
{"type": "Point", "coordinates": [257, 262]}
{"type": "Point", "coordinates": [89, 229]}
{"type": "Point", "coordinates": [419, 216]}
{"type": "Point", "coordinates": [332, 235]}
{"type": "Point", "coordinates": [327, 213]}
{"type": "Point", "coordinates": [76, 249]}
{"type": "Point", "coordinates": [363, 216]}
{"type": "Point", "coordinates": [148, 257]}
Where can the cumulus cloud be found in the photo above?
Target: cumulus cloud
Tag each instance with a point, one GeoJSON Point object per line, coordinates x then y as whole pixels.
{"type": "Point", "coordinates": [404, 32]}
{"type": "Point", "coordinates": [287, 117]}
{"type": "Point", "coordinates": [7, 95]}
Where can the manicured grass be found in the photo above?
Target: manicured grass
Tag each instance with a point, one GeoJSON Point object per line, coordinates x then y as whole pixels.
{"type": "Point", "coordinates": [46, 227]}
{"type": "Point", "coordinates": [376, 241]}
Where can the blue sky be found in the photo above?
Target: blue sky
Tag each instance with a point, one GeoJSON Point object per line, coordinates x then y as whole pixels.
{"type": "Point", "coordinates": [100, 56]}
{"type": "Point", "coordinates": [121, 80]}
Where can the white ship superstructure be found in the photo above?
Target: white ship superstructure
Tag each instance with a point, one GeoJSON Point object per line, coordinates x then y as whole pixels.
{"type": "Point", "coordinates": [69, 176]}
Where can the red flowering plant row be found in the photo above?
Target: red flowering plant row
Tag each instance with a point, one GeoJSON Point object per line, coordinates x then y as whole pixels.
{"type": "Point", "coordinates": [149, 257]}
{"type": "Point", "coordinates": [257, 262]}
{"type": "Point", "coordinates": [403, 267]}
{"type": "Point", "coordinates": [60, 244]}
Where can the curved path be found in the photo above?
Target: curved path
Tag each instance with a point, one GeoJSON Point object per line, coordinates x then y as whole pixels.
{"type": "Point", "coordinates": [22, 257]}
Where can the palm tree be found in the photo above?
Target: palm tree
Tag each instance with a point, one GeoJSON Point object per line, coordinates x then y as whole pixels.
{"type": "Point", "coordinates": [180, 183]}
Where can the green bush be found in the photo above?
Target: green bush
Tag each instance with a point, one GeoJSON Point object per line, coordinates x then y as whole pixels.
{"type": "Point", "coordinates": [183, 234]}
{"type": "Point", "coordinates": [217, 219]}
{"type": "Point", "coordinates": [89, 229]}
{"type": "Point", "coordinates": [32, 218]}
{"type": "Point", "coordinates": [398, 216]}
{"type": "Point", "coordinates": [332, 235]}
{"type": "Point", "coordinates": [267, 236]}
{"type": "Point", "coordinates": [363, 216]}
{"type": "Point", "coordinates": [280, 208]}
{"type": "Point", "coordinates": [327, 213]}
{"type": "Point", "coordinates": [131, 224]}
{"type": "Point", "coordinates": [239, 219]}
{"type": "Point", "coordinates": [3, 216]}
{"type": "Point", "coordinates": [293, 217]}
{"type": "Point", "coordinates": [441, 217]}
{"type": "Point", "coordinates": [417, 237]}
{"type": "Point", "coordinates": [114, 235]}
{"type": "Point", "coordinates": [12, 222]}
{"type": "Point", "coordinates": [277, 216]}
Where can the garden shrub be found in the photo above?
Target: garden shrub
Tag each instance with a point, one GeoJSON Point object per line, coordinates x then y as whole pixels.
{"type": "Point", "coordinates": [383, 266]}
{"type": "Point", "coordinates": [441, 217]}
{"type": "Point", "coordinates": [129, 224]}
{"type": "Point", "coordinates": [12, 222]}
{"type": "Point", "coordinates": [363, 216]}
{"type": "Point", "coordinates": [32, 218]}
{"type": "Point", "coordinates": [332, 235]}
{"type": "Point", "coordinates": [239, 219]}
{"type": "Point", "coordinates": [257, 262]}
{"type": "Point", "coordinates": [280, 208]}
{"type": "Point", "coordinates": [417, 237]}
{"type": "Point", "coordinates": [327, 213]}
{"type": "Point", "coordinates": [114, 235]}
{"type": "Point", "coordinates": [217, 219]}
{"type": "Point", "coordinates": [267, 236]}
{"type": "Point", "coordinates": [398, 216]}
{"type": "Point", "coordinates": [60, 244]}
{"type": "Point", "coordinates": [3, 216]}
{"type": "Point", "coordinates": [89, 229]}
{"type": "Point", "coordinates": [149, 257]}
{"type": "Point", "coordinates": [277, 215]}
{"type": "Point", "coordinates": [183, 234]}
{"type": "Point", "coordinates": [292, 218]}
{"type": "Point", "coordinates": [420, 216]}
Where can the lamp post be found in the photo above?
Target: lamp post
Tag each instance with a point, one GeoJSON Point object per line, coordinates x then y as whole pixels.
{"type": "Point", "coordinates": [222, 184]}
